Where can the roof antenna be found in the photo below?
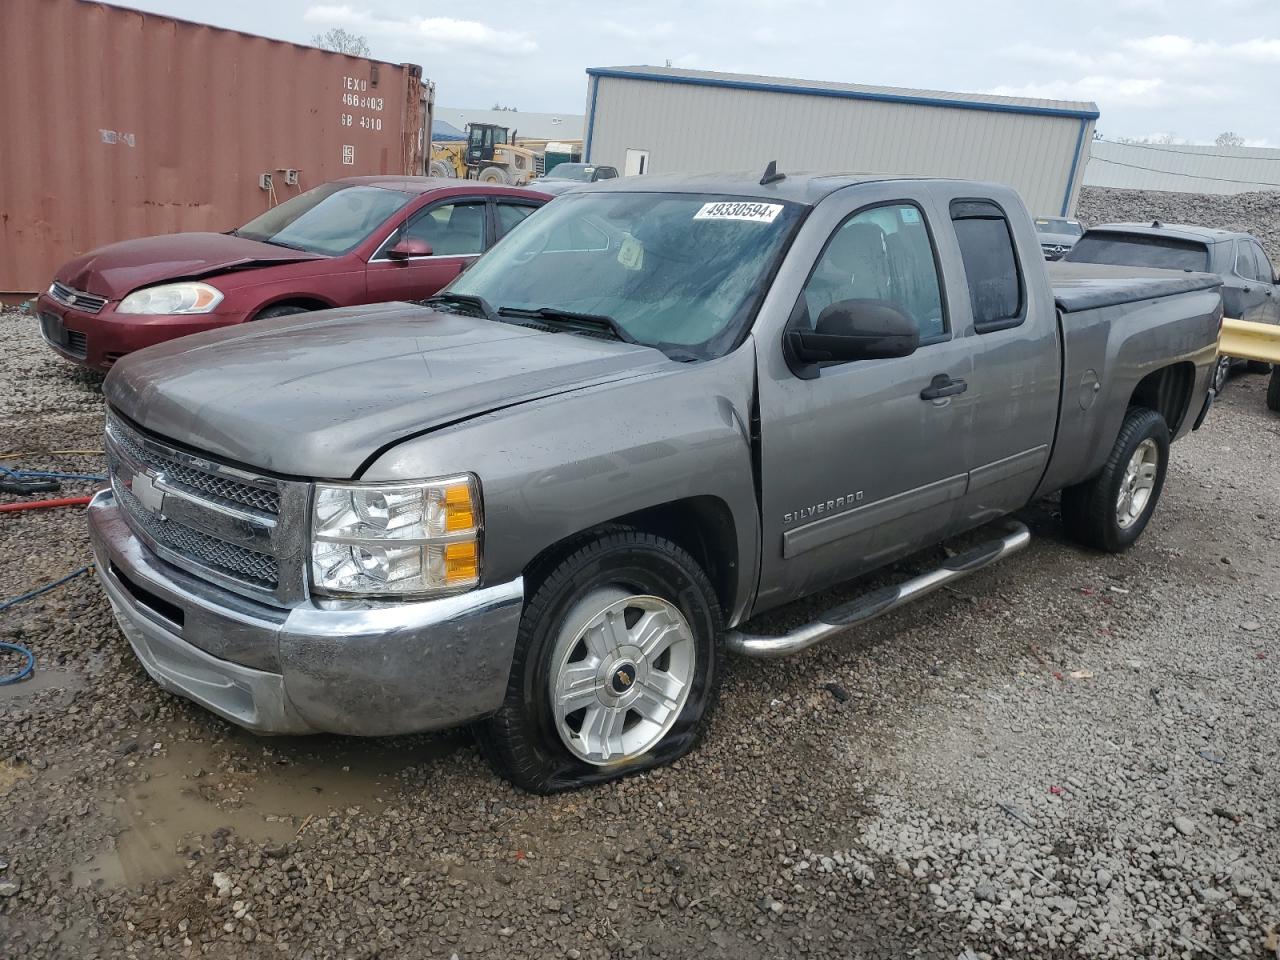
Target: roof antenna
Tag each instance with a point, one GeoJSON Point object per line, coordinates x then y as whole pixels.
{"type": "Point", "coordinates": [1156, 224]}
{"type": "Point", "coordinates": [771, 174]}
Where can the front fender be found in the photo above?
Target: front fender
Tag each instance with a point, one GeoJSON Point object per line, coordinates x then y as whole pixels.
{"type": "Point", "coordinates": [554, 467]}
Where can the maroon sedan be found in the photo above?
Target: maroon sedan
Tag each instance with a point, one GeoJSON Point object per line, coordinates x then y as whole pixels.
{"type": "Point", "coordinates": [359, 240]}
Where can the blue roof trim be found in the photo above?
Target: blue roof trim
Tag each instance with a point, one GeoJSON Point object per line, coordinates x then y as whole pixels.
{"type": "Point", "coordinates": [846, 94]}
{"type": "Point", "coordinates": [591, 121]}
{"type": "Point", "coordinates": [1075, 163]}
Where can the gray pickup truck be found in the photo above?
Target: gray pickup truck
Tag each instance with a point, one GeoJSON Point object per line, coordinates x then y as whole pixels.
{"type": "Point", "coordinates": [549, 499]}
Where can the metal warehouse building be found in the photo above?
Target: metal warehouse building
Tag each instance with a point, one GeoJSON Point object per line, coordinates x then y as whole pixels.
{"type": "Point", "coordinates": [669, 120]}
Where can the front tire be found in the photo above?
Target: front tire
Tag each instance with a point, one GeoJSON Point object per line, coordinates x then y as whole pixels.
{"type": "Point", "coordinates": [1110, 511]}
{"type": "Point", "coordinates": [281, 310]}
{"type": "Point", "coordinates": [616, 667]}
{"type": "Point", "coordinates": [494, 175]}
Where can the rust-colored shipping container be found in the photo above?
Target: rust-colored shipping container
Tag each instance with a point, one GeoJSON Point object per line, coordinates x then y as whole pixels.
{"type": "Point", "coordinates": [116, 124]}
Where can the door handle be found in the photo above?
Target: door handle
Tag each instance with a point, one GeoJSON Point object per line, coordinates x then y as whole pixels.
{"type": "Point", "coordinates": [943, 386]}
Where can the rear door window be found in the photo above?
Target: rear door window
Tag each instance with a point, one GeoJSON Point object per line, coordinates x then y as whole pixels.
{"type": "Point", "coordinates": [1246, 261]}
{"type": "Point", "coordinates": [996, 290]}
{"type": "Point", "coordinates": [1266, 272]}
{"type": "Point", "coordinates": [510, 215]}
{"type": "Point", "coordinates": [1139, 250]}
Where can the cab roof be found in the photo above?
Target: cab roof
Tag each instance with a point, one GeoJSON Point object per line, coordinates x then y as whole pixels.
{"type": "Point", "coordinates": [804, 188]}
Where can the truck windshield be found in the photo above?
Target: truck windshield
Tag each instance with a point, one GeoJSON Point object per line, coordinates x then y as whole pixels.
{"type": "Point", "coordinates": [330, 219]}
{"type": "Point", "coordinates": [681, 272]}
{"type": "Point", "coordinates": [1139, 250]}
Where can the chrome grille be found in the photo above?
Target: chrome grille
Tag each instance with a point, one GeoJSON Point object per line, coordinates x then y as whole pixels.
{"type": "Point", "coordinates": [240, 530]}
{"type": "Point", "coordinates": [220, 489]}
{"type": "Point", "coordinates": [71, 297]}
{"type": "Point", "coordinates": [256, 568]}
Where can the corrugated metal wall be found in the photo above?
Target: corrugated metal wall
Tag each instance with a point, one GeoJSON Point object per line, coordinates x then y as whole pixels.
{"type": "Point", "coordinates": [1179, 168]}
{"type": "Point", "coordinates": [689, 127]}
{"type": "Point", "coordinates": [117, 124]}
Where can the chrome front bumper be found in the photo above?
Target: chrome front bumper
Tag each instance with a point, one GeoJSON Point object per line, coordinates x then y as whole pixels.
{"type": "Point", "coordinates": [368, 669]}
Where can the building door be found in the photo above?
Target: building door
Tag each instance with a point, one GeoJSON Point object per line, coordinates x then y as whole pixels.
{"type": "Point", "coordinates": [637, 163]}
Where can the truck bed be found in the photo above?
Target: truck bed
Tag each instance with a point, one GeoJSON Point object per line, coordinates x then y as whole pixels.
{"type": "Point", "coordinates": [1088, 286]}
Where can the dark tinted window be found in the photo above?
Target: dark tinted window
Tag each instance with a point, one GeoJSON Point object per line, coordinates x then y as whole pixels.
{"type": "Point", "coordinates": [1265, 270]}
{"type": "Point", "coordinates": [881, 254]}
{"type": "Point", "coordinates": [1246, 260]}
{"type": "Point", "coordinates": [990, 266]}
{"type": "Point", "coordinates": [1139, 250]}
{"type": "Point", "coordinates": [511, 214]}
{"type": "Point", "coordinates": [606, 173]}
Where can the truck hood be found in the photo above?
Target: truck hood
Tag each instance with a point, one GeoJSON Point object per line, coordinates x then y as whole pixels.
{"type": "Point", "coordinates": [316, 395]}
{"type": "Point", "coordinates": [118, 269]}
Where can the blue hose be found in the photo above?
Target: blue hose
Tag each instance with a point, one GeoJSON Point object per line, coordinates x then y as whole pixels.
{"type": "Point", "coordinates": [25, 671]}
{"type": "Point", "coordinates": [48, 475]}
{"type": "Point", "coordinates": [30, 665]}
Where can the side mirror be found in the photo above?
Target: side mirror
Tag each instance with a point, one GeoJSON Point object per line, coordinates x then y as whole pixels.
{"type": "Point", "coordinates": [407, 247]}
{"type": "Point", "coordinates": [857, 330]}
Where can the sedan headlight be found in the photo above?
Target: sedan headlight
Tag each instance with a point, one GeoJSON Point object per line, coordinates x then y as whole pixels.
{"type": "Point", "coordinates": [177, 298]}
{"type": "Point", "coordinates": [396, 539]}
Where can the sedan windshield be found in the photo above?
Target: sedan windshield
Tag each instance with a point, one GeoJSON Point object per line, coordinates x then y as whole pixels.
{"type": "Point", "coordinates": [681, 272]}
{"type": "Point", "coordinates": [1050, 225]}
{"type": "Point", "coordinates": [330, 219]}
{"type": "Point", "coordinates": [1139, 250]}
{"type": "Point", "coordinates": [570, 171]}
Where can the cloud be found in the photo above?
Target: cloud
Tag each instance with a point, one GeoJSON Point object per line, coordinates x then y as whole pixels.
{"type": "Point", "coordinates": [659, 30]}
{"type": "Point", "coordinates": [434, 34]}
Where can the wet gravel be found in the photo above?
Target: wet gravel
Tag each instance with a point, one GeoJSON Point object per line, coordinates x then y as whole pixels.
{"type": "Point", "coordinates": [1071, 755]}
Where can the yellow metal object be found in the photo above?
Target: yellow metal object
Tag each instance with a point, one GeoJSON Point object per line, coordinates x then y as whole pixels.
{"type": "Point", "coordinates": [449, 157]}
{"type": "Point", "coordinates": [1250, 341]}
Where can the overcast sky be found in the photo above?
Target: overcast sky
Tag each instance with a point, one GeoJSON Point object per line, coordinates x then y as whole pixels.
{"type": "Point", "coordinates": [1190, 68]}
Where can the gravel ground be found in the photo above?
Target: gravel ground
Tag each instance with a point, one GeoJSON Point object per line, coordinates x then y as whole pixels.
{"type": "Point", "coordinates": [1071, 755]}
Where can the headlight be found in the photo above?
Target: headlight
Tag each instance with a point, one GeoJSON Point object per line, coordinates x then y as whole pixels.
{"type": "Point", "coordinates": [396, 539]}
{"type": "Point", "coordinates": [172, 298]}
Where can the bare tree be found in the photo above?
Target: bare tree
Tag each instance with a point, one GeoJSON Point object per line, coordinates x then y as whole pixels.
{"type": "Point", "coordinates": [341, 41]}
{"type": "Point", "coordinates": [1228, 139]}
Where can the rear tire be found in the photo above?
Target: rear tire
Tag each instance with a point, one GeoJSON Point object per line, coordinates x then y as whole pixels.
{"type": "Point", "coordinates": [1221, 374]}
{"type": "Point", "coordinates": [494, 175]}
{"type": "Point", "coordinates": [281, 310]}
{"type": "Point", "coordinates": [1110, 511]}
{"type": "Point", "coordinates": [626, 615]}
{"type": "Point", "coordinates": [1273, 390]}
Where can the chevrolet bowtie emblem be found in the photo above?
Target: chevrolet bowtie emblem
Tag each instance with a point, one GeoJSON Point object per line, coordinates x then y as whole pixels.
{"type": "Point", "coordinates": [624, 678]}
{"type": "Point", "coordinates": [148, 494]}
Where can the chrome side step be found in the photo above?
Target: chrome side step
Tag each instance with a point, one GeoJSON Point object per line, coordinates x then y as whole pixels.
{"type": "Point", "coordinates": [871, 605]}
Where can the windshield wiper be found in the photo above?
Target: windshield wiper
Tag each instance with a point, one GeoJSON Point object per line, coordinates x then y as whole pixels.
{"type": "Point", "coordinates": [465, 300]}
{"type": "Point", "coordinates": [287, 246]}
{"type": "Point", "coordinates": [586, 322]}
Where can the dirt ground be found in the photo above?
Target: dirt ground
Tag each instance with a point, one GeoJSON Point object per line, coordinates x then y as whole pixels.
{"type": "Point", "coordinates": [1068, 755]}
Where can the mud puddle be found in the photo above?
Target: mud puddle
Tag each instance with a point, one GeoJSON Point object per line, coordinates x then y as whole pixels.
{"type": "Point", "coordinates": [68, 681]}
{"type": "Point", "coordinates": [266, 792]}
